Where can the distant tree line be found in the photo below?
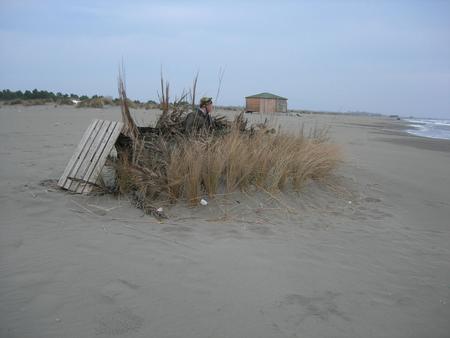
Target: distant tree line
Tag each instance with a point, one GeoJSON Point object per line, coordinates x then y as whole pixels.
{"type": "Point", "coordinates": [31, 97]}
{"type": "Point", "coordinates": [35, 94]}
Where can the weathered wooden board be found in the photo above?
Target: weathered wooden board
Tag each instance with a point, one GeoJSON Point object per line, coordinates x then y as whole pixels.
{"type": "Point", "coordinates": [76, 172]}
{"type": "Point", "coordinates": [90, 156]}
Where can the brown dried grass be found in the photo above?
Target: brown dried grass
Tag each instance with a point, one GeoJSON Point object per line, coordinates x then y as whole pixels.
{"type": "Point", "coordinates": [208, 164]}
{"type": "Point", "coordinates": [238, 161]}
{"type": "Point", "coordinates": [165, 161]}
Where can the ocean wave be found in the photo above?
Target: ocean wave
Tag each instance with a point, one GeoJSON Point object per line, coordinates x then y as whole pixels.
{"type": "Point", "coordinates": [432, 128]}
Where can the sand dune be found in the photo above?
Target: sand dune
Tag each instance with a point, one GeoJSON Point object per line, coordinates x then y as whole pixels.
{"type": "Point", "coordinates": [366, 256]}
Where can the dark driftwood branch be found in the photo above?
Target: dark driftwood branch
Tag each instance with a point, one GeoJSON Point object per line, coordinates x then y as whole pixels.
{"type": "Point", "coordinates": [130, 128]}
{"type": "Point", "coordinates": [194, 88]}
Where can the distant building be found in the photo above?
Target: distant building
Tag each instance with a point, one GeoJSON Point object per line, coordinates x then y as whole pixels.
{"type": "Point", "coordinates": [266, 103]}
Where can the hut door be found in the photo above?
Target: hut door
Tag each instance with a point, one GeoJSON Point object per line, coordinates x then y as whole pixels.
{"type": "Point", "coordinates": [281, 106]}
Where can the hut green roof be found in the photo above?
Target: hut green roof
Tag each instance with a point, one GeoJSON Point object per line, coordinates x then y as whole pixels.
{"type": "Point", "coordinates": [265, 96]}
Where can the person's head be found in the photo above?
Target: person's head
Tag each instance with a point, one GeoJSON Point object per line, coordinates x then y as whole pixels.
{"type": "Point", "coordinates": [206, 103]}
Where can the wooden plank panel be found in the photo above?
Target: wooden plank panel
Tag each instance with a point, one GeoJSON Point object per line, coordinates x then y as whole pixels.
{"type": "Point", "coordinates": [74, 170]}
{"type": "Point", "coordinates": [252, 104]}
{"type": "Point", "coordinates": [97, 148]}
{"type": "Point", "coordinates": [271, 106]}
{"type": "Point", "coordinates": [90, 154]}
{"type": "Point", "coordinates": [82, 155]}
{"type": "Point", "coordinates": [262, 106]}
{"type": "Point", "coordinates": [107, 150]}
{"type": "Point", "coordinates": [102, 157]}
{"type": "Point", "coordinates": [76, 155]}
{"type": "Point", "coordinates": [101, 154]}
{"type": "Point", "coordinates": [281, 106]}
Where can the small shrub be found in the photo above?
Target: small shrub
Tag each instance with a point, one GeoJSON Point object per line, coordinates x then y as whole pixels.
{"type": "Point", "coordinates": [65, 101]}
{"type": "Point", "coordinates": [96, 102]}
{"type": "Point", "coordinates": [15, 102]}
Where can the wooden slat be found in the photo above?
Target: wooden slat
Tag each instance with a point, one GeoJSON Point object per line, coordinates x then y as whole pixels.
{"type": "Point", "coordinates": [76, 155]}
{"type": "Point", "coordinates": [101, 154]}
{"type": "Point", "coordinates": [90, 156]}
{"type": "Point", "coordinates": [75, 169]}
{"type": "Point", "coordinates": [107, 150]}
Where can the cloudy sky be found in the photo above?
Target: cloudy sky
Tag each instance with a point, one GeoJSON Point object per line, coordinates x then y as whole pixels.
{"type": "Point", "coordinates": [390, 57]}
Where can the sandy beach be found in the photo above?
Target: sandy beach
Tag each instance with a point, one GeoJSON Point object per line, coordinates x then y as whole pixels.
{"type": "Point", "coordinates": [366, 255]}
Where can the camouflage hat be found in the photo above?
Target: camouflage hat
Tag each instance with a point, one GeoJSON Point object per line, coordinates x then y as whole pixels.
{"type": "Point", "coordinates": [204, 101]}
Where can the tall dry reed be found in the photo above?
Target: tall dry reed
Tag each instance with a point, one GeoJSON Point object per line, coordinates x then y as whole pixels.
{"type": "Point", "coordinates": [238, 160]}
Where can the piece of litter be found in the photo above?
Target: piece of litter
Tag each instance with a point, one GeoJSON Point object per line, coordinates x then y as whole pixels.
{"type": "Point", "coordinates": [159, 209]}
{"type": "Point", "coordinates": [349, 202]}
{"type": "Point", "coordinates": [203, 202]}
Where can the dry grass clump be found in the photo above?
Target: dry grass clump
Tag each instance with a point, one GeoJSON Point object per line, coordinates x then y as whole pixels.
{"type": "Point", "coordinates": [187, 167]}
{"type": "Point", "coordinates": [239, 161]}
{"type": "Point", "coordinates": [95, 102]}
{"type": "Point", "coordinates": [166, 161]}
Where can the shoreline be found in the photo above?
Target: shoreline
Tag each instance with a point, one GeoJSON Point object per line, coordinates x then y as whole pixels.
{"type": "Point", "coordinates": [429, 128]}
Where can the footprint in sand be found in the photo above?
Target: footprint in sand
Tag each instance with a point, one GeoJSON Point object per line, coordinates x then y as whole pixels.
{"type": "Point", "coordinates": [260, 230]}
{"type": "Point", "coordinates": [37, 209]}
{"type": "Point", "coordinates": [372, 200]}
{"type": "Point", "coordinates": [119, 289]}
{"type": "Point", "coordinates": [177, 229]}
{"type": "Point", "coordinates": [293, 310]}
{"type": "Point", "coordinates": [323, 306]}
{"type": "Point", "coordinates": [118, 322]}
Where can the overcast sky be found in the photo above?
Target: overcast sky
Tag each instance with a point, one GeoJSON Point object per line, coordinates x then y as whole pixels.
{"type": "Point", "coordinates": [390, 57]}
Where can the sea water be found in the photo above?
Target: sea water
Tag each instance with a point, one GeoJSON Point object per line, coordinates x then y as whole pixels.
{"type": "Point", "coordinates": [434, 128]}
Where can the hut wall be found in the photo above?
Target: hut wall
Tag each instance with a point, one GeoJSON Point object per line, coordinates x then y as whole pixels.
{"type": "Point", "coordinates": [268, 105]}
{"type": "Point", "coordinates": [281, 106]}
{"type": "Point", "coordinates": [252, 104]}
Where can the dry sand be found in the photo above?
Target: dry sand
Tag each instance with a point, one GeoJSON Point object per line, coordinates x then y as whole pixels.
{"type": "Point", "coordinates": [368, 256]}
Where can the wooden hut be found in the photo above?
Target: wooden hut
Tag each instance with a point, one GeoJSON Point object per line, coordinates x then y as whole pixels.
{"type": "Point", "coordinates": [266, 103]}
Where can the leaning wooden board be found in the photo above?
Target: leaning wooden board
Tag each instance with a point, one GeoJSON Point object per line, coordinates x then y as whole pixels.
{"type": "Point", "coordinates": [90, 156]}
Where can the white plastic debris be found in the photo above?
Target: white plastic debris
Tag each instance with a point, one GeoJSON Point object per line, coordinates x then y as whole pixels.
{"type": "Point", "coordinates": [160, 209]}
{"type": "Point", "coordinates": [203, 202]}
{"type": "Point", "coordinates": [349, 202]}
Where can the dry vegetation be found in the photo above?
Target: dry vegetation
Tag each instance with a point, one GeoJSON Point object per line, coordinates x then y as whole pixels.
{"type": "Point", "coordinates": [239, 161]}
{"type": "Point", "coordinates": [166, 162]}
{"type": "Point", "coordinates": [95, 102]}
{"type": "Point", "coordinates": [35, 102]}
